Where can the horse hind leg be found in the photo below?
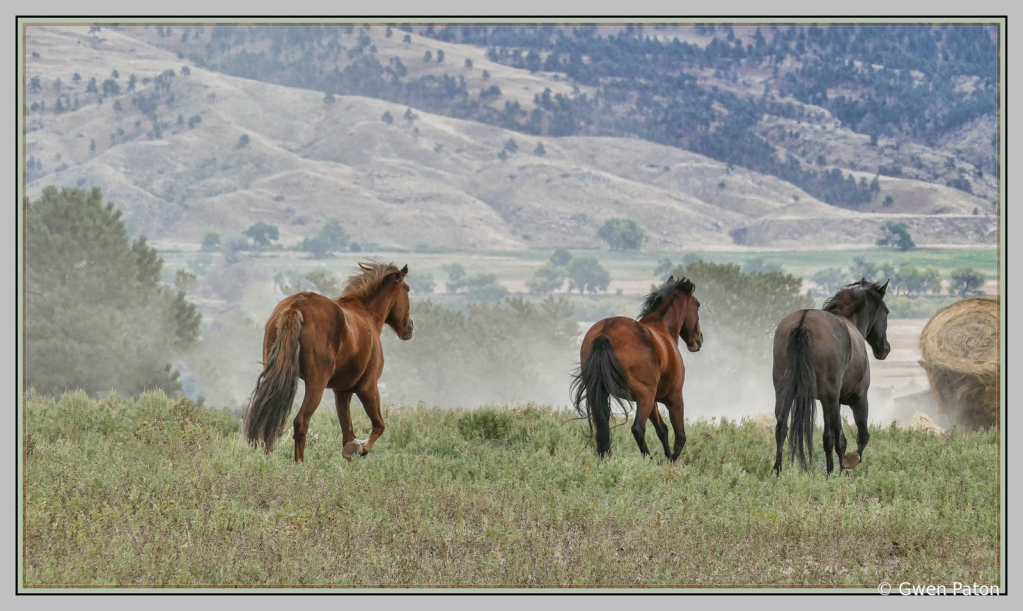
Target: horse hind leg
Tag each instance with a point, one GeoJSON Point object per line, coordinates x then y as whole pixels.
{"type": "Point", "coordinates": [645, 405]}
{"type": "Point", "coordinates": [370, 398]}
{"type": "Point", "coordinates": [832, 428]}
{"type": "Point", "coordinates": [343, 406]}
{"type": "Point", "coordinates": [662, 430]}
{"type": "Point", "coordinates": [313, 394]}
{"type": "Point", "coordinates": [781, 415]}
{"type": "Point", "coordinates": [860, 411]}
{"type": "Point", "coordinates": [676, 413]}
{"type": "Point", "coordinates": [840, 445]}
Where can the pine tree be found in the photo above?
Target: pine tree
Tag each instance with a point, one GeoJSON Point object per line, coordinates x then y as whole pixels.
{"type": "Point", "coordinates": [97, 317]}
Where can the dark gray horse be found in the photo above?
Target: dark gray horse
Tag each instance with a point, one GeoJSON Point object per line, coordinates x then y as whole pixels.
{"type": "Point", "coordinates": [819, 354]}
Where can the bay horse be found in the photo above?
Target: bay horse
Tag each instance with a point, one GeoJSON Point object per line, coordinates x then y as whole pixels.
{"type": "Point", "coordinates": [639, 360]}
{"type": "Point", "coordinates": [820, 355]}
{"type": "Point", "coordinates": [328, 343]}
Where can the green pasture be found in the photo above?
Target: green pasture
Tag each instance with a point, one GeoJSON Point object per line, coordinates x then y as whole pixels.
{"type": "Point", "coordinates": [149, 492]}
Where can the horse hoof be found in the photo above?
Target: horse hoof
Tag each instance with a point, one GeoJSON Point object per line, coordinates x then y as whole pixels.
{"type": "Point", "coordinates": [351, 449]}
{"type": "Point", "coordinates": [850, 460]}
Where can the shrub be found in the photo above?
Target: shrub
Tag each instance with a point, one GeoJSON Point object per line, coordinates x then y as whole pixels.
{"type": "Point", "coordinates": [829, 281]}
{"type": "Point", "coordinates": [211, 241]}
{"type": "Point", "coordinates": [963, 184]}
{"type": "Point", "coordinates": [485, 423]}
{"type": "Point", "coordinates": [895, 235]}
{"type": "Point", "coordinates": [263, 233]}
{"type": "Point", "coordinates": [420, 282]}
{"type": "Point", "coordinates": [485, 288]}
{"type": "Point", "coordinates": [622, 234]}
{"type": "Point", "coordinates": [560, 257]}
{"type": "Point", "coordinates": [750, 304]}
{"type": "Point", "coordinates": [456, 277]}
{"type": "Point", "coordinates": [587, 275]}
{"type": "Point", "coordinates": [966, 281]}
{"type": "Point", "coordinates": [331, 238]}
{"type": "Point", "coordinates": [323, 284]}
{"type": "Point", "coordinates": [545, 280]}
{"type": "Point", "coordinates": [759, 264]}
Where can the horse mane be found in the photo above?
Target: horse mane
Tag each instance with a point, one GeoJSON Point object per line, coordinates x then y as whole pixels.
{"type": "Point", "coordinates": [660, 295]}
{"type": "Point", "coordinates": [366, 279]}
{"type": "Point", "coordinates": [849, 299]}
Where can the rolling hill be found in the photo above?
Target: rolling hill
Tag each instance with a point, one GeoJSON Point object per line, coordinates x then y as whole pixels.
{"type": "Point", "coordinates": [184, 150]}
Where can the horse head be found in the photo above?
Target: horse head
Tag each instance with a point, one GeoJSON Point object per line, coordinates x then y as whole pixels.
{"type": "Point", "coordinates": [399, 317]}
{"type": "Point", "coordinates": [690, 332]}
{"type": "Point", "coordinates": [877, 331]}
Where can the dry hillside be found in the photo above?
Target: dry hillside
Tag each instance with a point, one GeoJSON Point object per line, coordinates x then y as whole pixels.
{"type": "Point", "coordinates": [227, 152]}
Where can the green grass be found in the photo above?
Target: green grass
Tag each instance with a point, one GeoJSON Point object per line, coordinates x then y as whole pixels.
{"type": "Point", "coordinates": [146, 493]}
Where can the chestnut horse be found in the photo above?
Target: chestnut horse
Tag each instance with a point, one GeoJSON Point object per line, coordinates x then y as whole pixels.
{"type": "Point", "coordinates": [639, 361]}
{"type": "Point", "coordinates": [329, 344]}
{"type": "Point", "coordinates": [819, 354]}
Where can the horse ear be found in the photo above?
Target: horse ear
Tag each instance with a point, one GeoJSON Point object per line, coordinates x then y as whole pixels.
{"type": "Point", "coordinates": [404, 271]}
{"type": "Point", "coordinates": [884, 289]}
{"type": "Point", "coordinates": [671, 277]}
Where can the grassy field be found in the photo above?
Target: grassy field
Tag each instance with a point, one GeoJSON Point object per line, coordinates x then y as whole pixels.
{"type": "Point", "coordinates": [147, 492]}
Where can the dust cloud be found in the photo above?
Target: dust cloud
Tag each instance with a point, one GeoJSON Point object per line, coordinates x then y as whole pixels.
{"type": "Point", "coordinates": [450, 363]}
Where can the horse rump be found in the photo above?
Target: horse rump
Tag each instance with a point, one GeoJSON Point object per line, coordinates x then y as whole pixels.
{"type": "Point", "coordinates": [275, 390]}
{"type": "Point", "coordinates": [597, 381]}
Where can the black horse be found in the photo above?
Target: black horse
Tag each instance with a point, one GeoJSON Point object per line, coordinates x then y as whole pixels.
{"type": "Point", "coordinates": [819, 354]}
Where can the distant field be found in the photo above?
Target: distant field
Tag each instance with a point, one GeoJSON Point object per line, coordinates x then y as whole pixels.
{"type": "Point", "coordinates": [146, 493]}
{"type": "Point", "coordinates": [631, 271]}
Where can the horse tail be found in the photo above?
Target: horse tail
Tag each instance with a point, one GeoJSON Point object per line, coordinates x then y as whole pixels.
{"type": "Point", "coordinates": [600, 379]}
{"type": "Point", "coordinates": [276, 388]}
{"type": "Point", "coordinates": [801, 397]}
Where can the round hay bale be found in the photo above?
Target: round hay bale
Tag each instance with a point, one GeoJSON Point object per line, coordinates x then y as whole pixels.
{"type": "Point", "coordinates": [960, 350]}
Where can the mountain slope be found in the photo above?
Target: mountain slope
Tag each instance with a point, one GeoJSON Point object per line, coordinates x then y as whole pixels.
{"type": "Point", "coordinates": [264, 152]}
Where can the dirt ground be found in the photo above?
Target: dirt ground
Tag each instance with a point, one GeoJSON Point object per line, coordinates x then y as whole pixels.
{"type": "Point", "coordinates": [897, 383]}
{"type": "Point", "coordinates": [900, 371]}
